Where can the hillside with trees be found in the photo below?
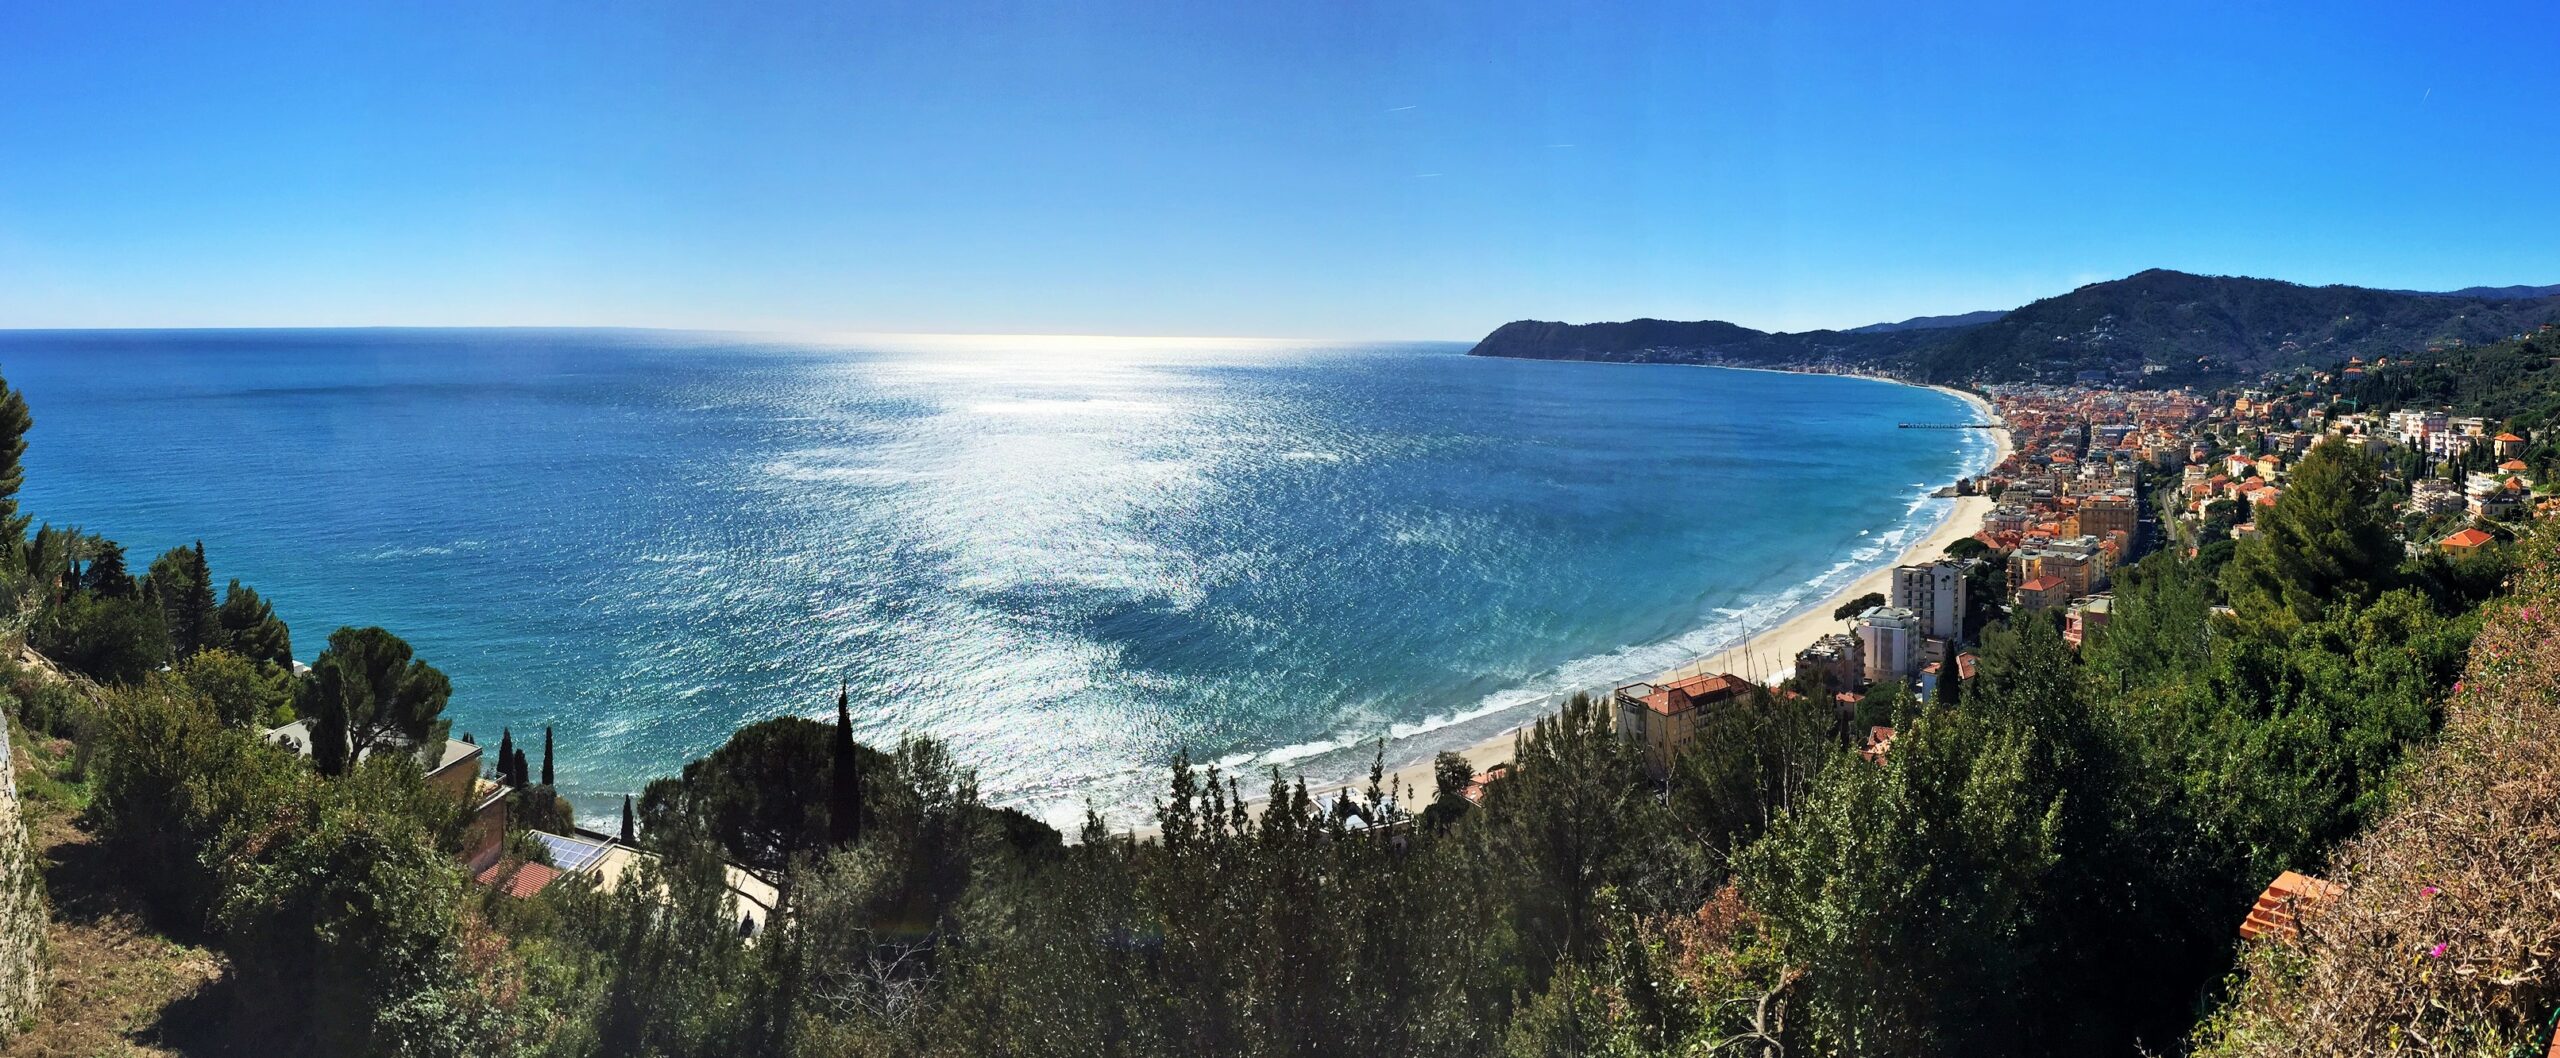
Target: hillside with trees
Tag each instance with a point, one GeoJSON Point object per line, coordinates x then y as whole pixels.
{"type": "Point", "coordinates": [2170, 327]}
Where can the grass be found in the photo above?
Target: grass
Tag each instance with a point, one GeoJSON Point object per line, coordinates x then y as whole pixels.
{"type": "Point", "coordinates": [115, 985]}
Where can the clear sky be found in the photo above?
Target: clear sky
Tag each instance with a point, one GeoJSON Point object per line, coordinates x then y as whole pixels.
{"type": "Point", "coordinates": [1393, 170]}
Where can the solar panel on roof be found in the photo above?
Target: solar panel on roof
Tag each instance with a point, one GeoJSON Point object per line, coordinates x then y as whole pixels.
{"type": "Point", "coordinates": [571, 855]}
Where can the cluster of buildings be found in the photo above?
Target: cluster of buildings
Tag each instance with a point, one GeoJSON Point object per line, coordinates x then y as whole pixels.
{"type": "Point", "coordinates": [2088, 465]}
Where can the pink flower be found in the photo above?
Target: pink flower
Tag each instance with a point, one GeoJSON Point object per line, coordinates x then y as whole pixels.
{"type": "Point", "coordinates": [2429, 890]}
{"type": "Point", "coordinates": [2436, 952]}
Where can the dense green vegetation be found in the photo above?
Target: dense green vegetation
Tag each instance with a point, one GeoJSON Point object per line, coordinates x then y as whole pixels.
{"type": "Point", "coordinates": [2051, 859]}
{"type": "Point", "coordinates": [2509, 381]}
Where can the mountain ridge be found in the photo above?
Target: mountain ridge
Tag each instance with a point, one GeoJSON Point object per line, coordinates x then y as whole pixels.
{"type": "Point", "coordinates": [2173, 327]}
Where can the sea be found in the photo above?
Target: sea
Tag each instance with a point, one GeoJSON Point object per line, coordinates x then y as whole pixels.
{"type": "Point", "coordinates": [1069, 559]}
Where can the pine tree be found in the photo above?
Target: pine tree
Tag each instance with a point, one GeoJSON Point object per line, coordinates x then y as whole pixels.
{"type": "Point", "coordinates": [844, 801]}
{"type": "Point", "coordinates": [250, 628]}
{"type": "Point", "coordinates": [546, 754]}
{"type": "Point", "coordinates": [107, 576]}
{"type": "Point", "coordinates": [14, 423]}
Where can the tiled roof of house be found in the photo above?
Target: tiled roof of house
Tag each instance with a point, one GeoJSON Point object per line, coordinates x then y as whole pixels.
{"type": "Point", "coordinates": [2468, 538]}
{"type": "Point", "coordinates": [1670, 699]}
{"type": "Point", "coordinates": [2047, 583]}
{"type": "Point", "coordinates": [519, 878]}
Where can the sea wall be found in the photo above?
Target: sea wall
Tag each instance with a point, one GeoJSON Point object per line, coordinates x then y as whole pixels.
{"type": "Point", "coordinates": [22, 904]}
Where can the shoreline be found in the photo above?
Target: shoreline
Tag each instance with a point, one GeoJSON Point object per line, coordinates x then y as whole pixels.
{"type": "Point", "coordinates": [1764, 656]}
{"type": "Point", "coordinates": [1769, 655]}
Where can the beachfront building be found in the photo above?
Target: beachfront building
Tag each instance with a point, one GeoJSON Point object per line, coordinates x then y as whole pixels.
{"type": "Point", "coordinates": [1662, 718]}
{"type": "Point", "coordinates": [1838, 660]}
{"type": "Point", "coordinates": [1936, 592]}
{"type": "Point", "coordinates": [1890, 637]}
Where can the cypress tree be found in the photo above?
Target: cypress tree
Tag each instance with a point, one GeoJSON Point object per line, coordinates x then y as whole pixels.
{"type": "Point", "coordinates": [331, 751]}
{"type": "Point", "coordinates": [844, 801]}
{"type": "Point", "coordinates": [546, 754]}
{"type": "Point", "coordinates": [196, 606]}
{"type": "Point", "coordinates": [627, 836]}
{"type": "Point", "coordinates": [506, 755]}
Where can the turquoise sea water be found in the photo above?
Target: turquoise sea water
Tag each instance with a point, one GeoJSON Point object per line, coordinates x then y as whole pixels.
{"type": "Point", "coordinates": [1068, 557]}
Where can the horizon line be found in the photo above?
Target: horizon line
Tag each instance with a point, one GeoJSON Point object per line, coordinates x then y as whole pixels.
{"type": "Point", "coordinates": [741, 331]}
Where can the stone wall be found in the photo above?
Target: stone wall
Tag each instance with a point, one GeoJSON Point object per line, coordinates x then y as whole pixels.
{"type": "Point", "coordinates": [22, 905]}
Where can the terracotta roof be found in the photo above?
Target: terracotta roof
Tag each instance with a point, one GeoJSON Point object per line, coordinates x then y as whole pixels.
{"type": "Point", "coordinates": [2277, 911]}
{"type": "Point", "coordinates": [2047, 583]}
{"type": "Point", "coordinates": [1671, 699]}
{"type": "Point", "coordinates": [2514, 465]}
{"type": "Point", "coordinates": [2468, 538]}
{"type": "Point", "coordinates": [2509, 437]}
{"type": "Point", "coordinates": [517, 878]}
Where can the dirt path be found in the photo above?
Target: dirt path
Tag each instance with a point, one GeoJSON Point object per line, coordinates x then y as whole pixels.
{"type": "Point", "coordinates": [114, 986]}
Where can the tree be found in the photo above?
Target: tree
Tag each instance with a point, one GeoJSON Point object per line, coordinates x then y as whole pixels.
{"type": "Point", "coordinates": [251, 629]}
{"type": "Point", "coordinates": [14, 424]}
{"type": "Point", "coordinates": [1751, 759]}
{"type": "Point", "coordinates": [183, 586]}
{"type": "Point", "coordinates": [1451, 774]}
{"type": "Point", "coordinates": [110, 640]}
{"type": "Point", "coordinates": [239, 692]}
{"type": "Point", "coordinates": [367, 691]}
{"type": "Point", "coordinates": [844, 777]}
{"type": "Point", "coordinates": [546, 754]}
{"type": "Point", "coordinates": [763, 796]}
{"type": "Point", "coordinates": [107, 576]}
{"type": "Point", "coordinates": [506, 762]}
{"type": "Point", "coordinates": [628, 837]}
{"type": "Point", "coordinates": [1857, 606]}
{"type": "Point", "coordinates": [2327, 542]}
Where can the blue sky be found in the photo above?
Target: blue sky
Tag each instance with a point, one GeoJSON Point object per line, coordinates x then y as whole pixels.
{"type": "Point", "coordinates": [1397, 170]}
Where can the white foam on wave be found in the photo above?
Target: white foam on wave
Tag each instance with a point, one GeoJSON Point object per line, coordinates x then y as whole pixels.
{"type": "Point", "coordinates": [1411, 741]}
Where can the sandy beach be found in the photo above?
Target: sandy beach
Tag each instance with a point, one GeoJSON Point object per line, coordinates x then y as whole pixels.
{"type": "Point", "coordinates": [1769, 655]}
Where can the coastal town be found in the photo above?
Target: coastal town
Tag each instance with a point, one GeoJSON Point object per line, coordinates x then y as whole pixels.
{"type": "Point", "coordinates": [2093, 474]}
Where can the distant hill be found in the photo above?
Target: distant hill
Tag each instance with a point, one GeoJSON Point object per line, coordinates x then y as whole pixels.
{"type": "Point", "coordinates": [2516, 293]}
{"type": "Point", "coordinates": [2168, 326]}
{"type": "Point", "coordinates": [1931, 323]}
